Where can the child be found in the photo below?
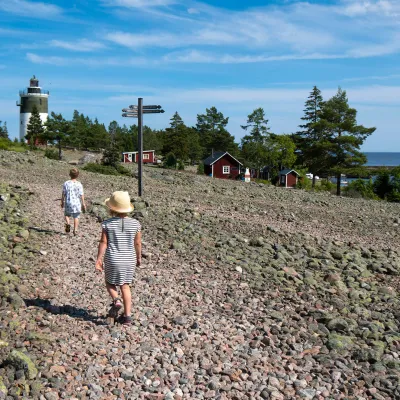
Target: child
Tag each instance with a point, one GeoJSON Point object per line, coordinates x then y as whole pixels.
{"type": "Point", "coordinates": [72, 200]}
{"type": "Point", "coordinates": [121, 246]}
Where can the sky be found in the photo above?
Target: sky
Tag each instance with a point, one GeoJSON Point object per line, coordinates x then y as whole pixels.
{"type": "Point", "coordinates": [99, 56]}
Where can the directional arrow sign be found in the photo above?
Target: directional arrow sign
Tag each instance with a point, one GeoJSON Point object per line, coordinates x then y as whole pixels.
{"type": "Point", "coordinates": [132, 107]}
{"type": "Point", "coordinates": [151, 107]}
{"type": "Point", "coordinates": [127, 110]}
{"type": "Point", "coordinates": [153, 111]}
{"type": "Point", "coordinates": [129, 115]}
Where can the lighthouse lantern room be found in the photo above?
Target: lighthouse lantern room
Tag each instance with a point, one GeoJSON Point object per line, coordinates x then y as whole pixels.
{"type": "Point", "coordinates": [32, 96]}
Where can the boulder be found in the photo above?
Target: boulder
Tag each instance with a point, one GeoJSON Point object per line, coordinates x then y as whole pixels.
{"type": "Point", "coordinates": [20, 360]}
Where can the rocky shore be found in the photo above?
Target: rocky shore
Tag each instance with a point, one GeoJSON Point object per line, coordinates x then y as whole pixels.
{"type": "Point", "coordinates": [246, 292]}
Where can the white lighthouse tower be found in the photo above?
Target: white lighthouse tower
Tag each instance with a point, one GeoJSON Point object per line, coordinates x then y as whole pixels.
{"type": "Point", "coordinates": [32, 96]}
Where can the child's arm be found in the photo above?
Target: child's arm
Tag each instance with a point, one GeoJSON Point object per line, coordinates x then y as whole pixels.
{"type": "Point", "coordinates": [83, 203]}
{"type": "Point", "coordinates": [138, 248]}
{"type": "Point", "coordinates": [62, 198]}
{"type": "Point", "coordinates": [101, 250]}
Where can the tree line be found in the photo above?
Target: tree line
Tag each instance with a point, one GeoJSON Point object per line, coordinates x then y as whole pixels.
{"type": "Point", "coordinates": [328, 140]}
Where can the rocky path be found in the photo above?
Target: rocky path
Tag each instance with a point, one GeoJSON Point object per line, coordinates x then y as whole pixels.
{"type": "Point", "coordinates": [224, 307]}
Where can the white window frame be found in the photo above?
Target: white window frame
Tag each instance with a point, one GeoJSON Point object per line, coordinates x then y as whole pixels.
{"type": "Point", "coordinates": [146, 156]}
{"type": "Point", "coordinates": [226, 169]}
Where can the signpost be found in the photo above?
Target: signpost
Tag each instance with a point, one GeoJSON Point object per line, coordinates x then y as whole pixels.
{"type": "Point", "coordinates": [134, 111]}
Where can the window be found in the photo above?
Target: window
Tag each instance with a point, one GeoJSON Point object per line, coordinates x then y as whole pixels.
{"type": "Point", "coordinates": [226, 169]}
{"type": "Point", "coordinates": [146, 156]}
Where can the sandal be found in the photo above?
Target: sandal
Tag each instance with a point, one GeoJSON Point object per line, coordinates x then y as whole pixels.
{"type": "Point", "coordinates": [117, 303]}
{"type": "Point", "coordinates": [67, 228]}
{"type": "Point", "coordinates": [126, 320]}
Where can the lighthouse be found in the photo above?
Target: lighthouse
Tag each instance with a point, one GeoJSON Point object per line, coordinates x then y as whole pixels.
{"type": "Point", "coordinates": [32, 96]}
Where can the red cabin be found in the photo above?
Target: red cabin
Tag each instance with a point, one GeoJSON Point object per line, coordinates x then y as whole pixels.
{"type": "Point", "coordinates": [288, 178]}
{"type": "Point", "coordinates": [222, 165]}
{"type": "Point", "coordinates": [132, 156]}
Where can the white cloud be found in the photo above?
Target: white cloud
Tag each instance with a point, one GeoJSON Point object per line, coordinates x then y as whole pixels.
{"type": "Point", "coordinates": [287, 32]}
{"type": "Point", "coordinates": [82, 45]}
{"type": "Point", "coordinates": [36, 59]}
{"type": "Point", "coordinates": [90, 62]}
{"type": "Point", "coordinates": [139, 3]}
{"type": "Point", "coordinates": [30, 9]}
{"type": "Point", "coordinates": [375, 7]}
{"type": "Point", "coordinates": [193, 11]}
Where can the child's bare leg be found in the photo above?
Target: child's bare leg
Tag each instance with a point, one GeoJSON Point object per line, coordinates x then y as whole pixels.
{"type": "Point", "coordinates": [112, 290]}
{"type": "Point", "coordinates": [67, 220]}
{"type": "Point", "coordinates": [76, 224]}
{"type": "Point", "coordinates": [127, 299]}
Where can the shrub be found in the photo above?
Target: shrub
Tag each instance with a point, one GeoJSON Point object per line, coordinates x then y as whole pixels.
{"type": "Point", "coordinates": [325, 185]}
{"type": "Point", "coordinates": [360, 188]}
{"type": "Point", "coordinates": [181, 165]}
{"type": "Point", "coordinates": [111, 156]}
{"type": "Point", "coordinates": [170, 161]}
{"type": "Point", "coordinates": [200, 169]}
{"type": "Point", "coordinates": [106, 169]}
{"type": "Point", "coordinates": [304, 183]}
{"type": "Point", "coordinates": [4, 144]}
{"type": "Point", "coordinates": [52, 154]}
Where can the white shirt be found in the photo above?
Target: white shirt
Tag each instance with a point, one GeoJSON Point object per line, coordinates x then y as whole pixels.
{"type": "Point", "coordinates": [72, 191]}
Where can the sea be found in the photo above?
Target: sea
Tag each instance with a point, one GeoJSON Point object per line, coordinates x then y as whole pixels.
{"type": "Point", "coordinates": [375, 159]}
{"type": "Point", "coordinates": [383, 159]}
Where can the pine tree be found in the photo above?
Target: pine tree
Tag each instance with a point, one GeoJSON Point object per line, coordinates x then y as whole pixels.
{"type": "Point", "coordinates": [4, 131]}
{"type": "Point", "coordinates": [309, 152]}
{"type": "Point", "coordinates": [254, 145]}
{"type": "Point", "coordinates": [341, 136]}
{"type": "Point", "coordinates": [35, 127]}
{"type": "Point", "coordinates": [213, 134]}
{"type": "Point", "coordinates": [57, 130]}
{"type": "Point", "coordinates": [175, 139]}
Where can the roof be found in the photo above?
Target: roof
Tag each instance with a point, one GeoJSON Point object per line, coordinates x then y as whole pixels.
{"type": "Point", "coordinates": [288, 171]}
{"type": "Point", "coordinates": [135, 152]}
{"type": "Point", "coordinates": [216, 156]}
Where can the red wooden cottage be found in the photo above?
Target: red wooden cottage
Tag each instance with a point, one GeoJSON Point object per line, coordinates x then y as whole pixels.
{"type": "Point", "coordinates": [132, 156]}
{"type": "Point", "coordinates": [288, 178]}
{"type": "Point", "coordinates": [222, 165]}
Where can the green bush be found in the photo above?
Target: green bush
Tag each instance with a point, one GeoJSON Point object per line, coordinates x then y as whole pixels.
{"type": "Point", "coordinates": [360, 188]}
{"type": "Point", "coordinates": [181, 165]}
{"type": "Point", "coordinates": [111, 156]}
{"type": "Point", "coordinates": [52, 154]}
{"type": "Point", "coordinates": [6, 144]}
{"type": "Point", "coordinates": [200, 169]}
{"type": "Point", "coordinates": [106, 169]}
{"type": "Point", "coordinates": [304, 183]}
{"type": "Point", "coordinates": [325, 185]}
{"type": "Point", "coordinates": [170, 161]}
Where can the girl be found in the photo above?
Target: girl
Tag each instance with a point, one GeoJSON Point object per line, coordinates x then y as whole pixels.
{"type": "Point", "coordinates": [121, 243]}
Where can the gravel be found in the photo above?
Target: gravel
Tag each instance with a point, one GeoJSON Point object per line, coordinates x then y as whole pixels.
{"type": "Point", "coordinates": [245, 292]}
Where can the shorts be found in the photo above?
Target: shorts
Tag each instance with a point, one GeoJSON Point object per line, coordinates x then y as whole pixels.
{"type": "Point", "coordinates": [73, 215]}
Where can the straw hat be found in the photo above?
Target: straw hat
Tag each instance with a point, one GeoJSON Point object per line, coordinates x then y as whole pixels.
{"type": "Point", "coordinates": [119, 202]}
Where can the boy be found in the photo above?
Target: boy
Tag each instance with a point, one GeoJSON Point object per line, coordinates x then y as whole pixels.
{"type": "Point", "coordinates": [72, 200]}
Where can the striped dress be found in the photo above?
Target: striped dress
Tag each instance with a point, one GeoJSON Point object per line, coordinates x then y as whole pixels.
{"type": "Point", "coordinates": [120, 256]}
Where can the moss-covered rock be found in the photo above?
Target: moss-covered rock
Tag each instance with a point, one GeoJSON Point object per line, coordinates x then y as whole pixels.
{"type": "Point", "coordinates": [20, 360]}
{"type": "Point", "coordinates": [339, 342]}
{"type": "Point", "coordinates": [3, 389]}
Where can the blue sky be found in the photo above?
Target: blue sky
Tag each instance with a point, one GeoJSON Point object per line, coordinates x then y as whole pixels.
{"type": "Point", "coordinates": [98, 56]}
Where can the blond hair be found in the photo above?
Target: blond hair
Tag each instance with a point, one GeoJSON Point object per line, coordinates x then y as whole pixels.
{"type": "Point", "coordinates": [74, 173]}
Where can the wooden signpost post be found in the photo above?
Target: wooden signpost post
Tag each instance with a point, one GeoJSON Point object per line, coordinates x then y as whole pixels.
{"type": "Point", "coordinates": [137, 112]}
